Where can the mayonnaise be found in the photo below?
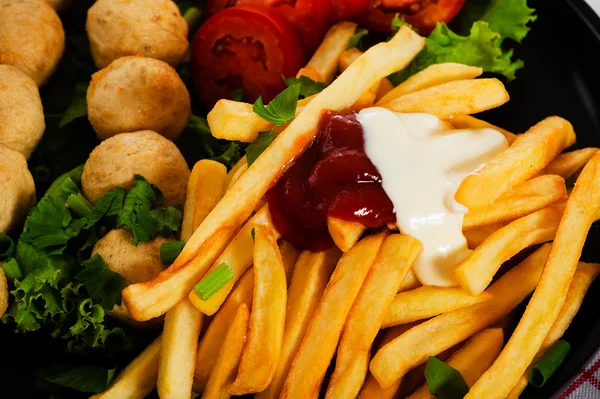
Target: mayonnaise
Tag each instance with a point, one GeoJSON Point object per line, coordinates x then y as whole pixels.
{"type": "Point", "coordinates": [422, 163]}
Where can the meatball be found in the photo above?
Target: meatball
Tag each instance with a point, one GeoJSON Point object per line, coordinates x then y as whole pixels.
{"type": "Point", "coordinates": [31, 37]}
{"type": "Point", "coordinates": [116, 161]}
{"type": "Point", "coordinates": [153, 28]}
{"type": "Point", "coordinates": [138, 93]}
{"type": "Point", "coordinates": [21, 114]}
{"type": "Point", "coordinates": [17, 189]}
{"type": "Point", "coordinates": [59, 4]}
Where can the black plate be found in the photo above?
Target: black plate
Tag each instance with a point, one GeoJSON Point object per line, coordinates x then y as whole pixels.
{"type": "Point", "coordinates": [561, 77]}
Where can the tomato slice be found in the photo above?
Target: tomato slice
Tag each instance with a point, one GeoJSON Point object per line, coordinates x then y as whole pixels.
{"type": "Point", "coordinates": [310, 18]}
{"type": "Point", "coordinates": [244, 48]}
{"type": "Point", "coordinates": [344, 10]}
{"type": "Point", "coordinates": [428, 13]}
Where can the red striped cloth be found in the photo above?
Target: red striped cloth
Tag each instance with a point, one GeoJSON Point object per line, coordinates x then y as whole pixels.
{"type": "Point", "coordinates": [587, 385]}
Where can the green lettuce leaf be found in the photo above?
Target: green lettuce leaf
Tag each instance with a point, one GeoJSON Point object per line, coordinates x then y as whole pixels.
{"type": "Point", "coordinates": [78, 106]}
{"type": "Point", "coordinates": [88, 379]}
{"type": "Point", "coordinates": [66, 184]}
{"type": "Point", "coordinates": [102, 284]}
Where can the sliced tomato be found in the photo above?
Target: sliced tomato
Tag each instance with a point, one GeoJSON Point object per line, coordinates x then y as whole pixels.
{"type": "Point", "coordinates": [428, 13]}
{"type": "Point", "coordinates": [345, 10]}
{"type": "Point", "coordinates": [244, 48]}
{"type": "Point", "coordinates": [310, 18]}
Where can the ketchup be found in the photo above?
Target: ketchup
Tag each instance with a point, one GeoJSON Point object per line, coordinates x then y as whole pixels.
{"type": "Point", "coordinates": [334, 177]}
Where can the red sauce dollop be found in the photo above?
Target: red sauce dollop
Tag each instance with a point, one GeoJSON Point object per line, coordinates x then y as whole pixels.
{"type": "Point", "coordinates": [334, 177]}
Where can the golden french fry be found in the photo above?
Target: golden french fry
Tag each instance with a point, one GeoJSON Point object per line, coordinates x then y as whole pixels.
{"type": "Point", "coordinates": [235, 168]}
{"type": "Point", "coordinates": [568, 164]}
{"type": "Point", "coordinates": [236, 176]}
{"type": "Point", "coordinates": [154, 298]}
{"type": "Point", "coordinates": [138, 379]}
{"type": "Point", "coordinates": [585, 274]}
{"type": "Point", "coordinates": [527, 156]}
{"type": "Point", "coordinates": [335, 42]}
{"type": "Point", "coordinates": [323, 333]}
{"type": "Point", "coordinates": [311, 73]}
{"type": "Point", "coordinates": [228, 359]}
{"type": "Point", "coordinates": [472, 360]}
{"type": "Point", "coordinates": [209, 346]}
{"type": "Point", "coordinates": [235, 120]}
{"type": "Point", "coordinates": [476, 272]}
{"type": "Point", "coordinates": [520, 201]}
{"type": "Point", "coordinates": [470, 122]}
{"type": "Point", "coordinates": [3, 292]}
{"type": "Point", "coordinates": [385, 86]}
{"type": "Point", "coordinates": [289, 255]}
{"type": "Point", "coordinates": [265, 334]}
{"type": "Point", "coordinates": [178, 353]}
{"type": "Point", "coordinates": [429, 338]}
{"type": "Point", "coordinates": [238, 256]}
{"type": "Point", "coordinates": [580, 212]}
{"type": "Point", "coordinates": [366, 100]}
{"type": "Point", "coordinates": [396, 255]}
{"type": "Point", "coordinates": [477, 236]}
{"type": "Point", "coordinates": [410, 282]}
{"type": "Point", "coordinates": [344, 234]}
{"type": "Point", "coordinates": [348, 57]}
{"type": "Point", "coordinates": [311, 274]}
{"type": "Point", "coordinates": [424, 302]}
{"type": "Point", "coordinates": [433, 75]}
{"type": "Point", "coordinates": [447, 99]}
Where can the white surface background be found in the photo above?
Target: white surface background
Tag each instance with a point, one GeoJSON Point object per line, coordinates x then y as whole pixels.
{"type": "Point", "coordinates": [595, 5]}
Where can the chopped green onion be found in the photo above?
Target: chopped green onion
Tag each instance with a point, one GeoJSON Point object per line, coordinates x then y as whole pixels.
{"type": "Point", "coordinates": [192, 15]}
{"type": "Point", "coordinates": [260, 144]}
{"type": "Point", "coordinates": [543, 369]}
{"type": "Point", "coordinates": [253, 234]}
{"type": "Point", "coordinates": [170, 251]}
{"type": "Point", "coordinates": [78, 204]}
{"type": "Point", "coordinates": [11, 269]}
{"type": "Point", "coordinates": [7, 246]}
{"type": "Point", "coordinates": [214, 281]}
{"type": "Point", "coordinates": [444, 381]}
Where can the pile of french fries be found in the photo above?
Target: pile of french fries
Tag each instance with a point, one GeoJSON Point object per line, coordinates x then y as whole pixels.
{"type": "Point", "coordinates": [276, 328]}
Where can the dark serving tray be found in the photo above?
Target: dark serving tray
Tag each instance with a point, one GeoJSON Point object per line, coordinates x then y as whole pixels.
{"type": "Point", "coordinates": [561, 77]}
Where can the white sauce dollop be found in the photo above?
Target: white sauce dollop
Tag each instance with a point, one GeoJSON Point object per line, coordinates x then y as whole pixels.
{"type": "Point", "coordinates": [422, 163]}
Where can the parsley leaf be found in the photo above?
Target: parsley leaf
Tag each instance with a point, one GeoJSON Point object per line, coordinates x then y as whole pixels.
{"type": "Point", "coordinates": [308, 87]}
{"type": "Point", "coordinates": [259, 144]}
{"type": "Point", "coordinates": [110, 204]}
{"type": "Point", "coordinates": [444, 381]}
{"type": "Point", "coordinates": [282, 108]}
{"type": "Point", "coordinates": [356, 37]}
{"type": "Point", "coordinates": [78, 106]}
{"type": "Point", "coordinates": [102, 284]}
{"type": "Point", "coordinates": [88, 379]}
{"type": "Point", "coordinates": [169, 251]}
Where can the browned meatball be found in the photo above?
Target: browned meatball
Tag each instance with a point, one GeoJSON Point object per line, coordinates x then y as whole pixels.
{"type": "Point", "coordinates": [17, 189]}
{"type": "Point", "coordinates": [153, 28]}
{"type": "Point", "coordinates": [116, 161]}
{"type": "Point", "coordinates": [138, 93]}
{"type": "Point", "coordinates": [31, 37]}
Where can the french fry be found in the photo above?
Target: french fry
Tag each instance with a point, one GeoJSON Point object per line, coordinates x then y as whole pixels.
{"type": "Point", "coordinates": [209, 346]}
{"type": "Point", "coordinates": [323, 333]}
{"type": "Point", "coordinates": [348, 57]}
{"type": "Point", "coordinates": [310, 277]}
{"type": "Point", "coordinates": [385, 86]}
{"type": "Point", "coordinates": [414, 347]}
{"type": "Point", "coordinates": [476, 272]}
{"type": "Point", "coordinates": [470, 122]}
{"type": "Point", "coordinates": [585, 274]}
{"type": "Point", "coordinates": [527, 156]}
{"type": "Point", "coordinates": [236, 176]}
{"type": "Point", "coordinates": [178, 353]}
{"type": "Point", "coordinates": [335, 42]}
{"type": "Point", "coordinates": [433, 75]}
{"type": "Point", "coordinates": [289, 255]}
{"type": "Point", "coordinates": [235, 120]}
{"type": "Point", "coordinates": [138, 379]}
{"type": "Point", "coordinates": [238, 256]}
{"type": "Point", "coordinates": [3, 292]}
{"type": "Point", "coordinates": [366, 100]}
{"type": "Point", "coordinates": [447, 99]}
{"type": "Point", "coordinates": [580, 212]}
{"type": "Point", "coordinates": [265, 333]}
{"type": "Point", "coordinates": [235, 168]}
{"type": "Point", "coordinates": [154, 298]}
{"type": "Point", "coordinates": [477, 236]}
{"type": "Point", "coordinates": [410, 282]}
{"type": "Point", "coordinates": [311, 73]}
{"type": "Point", "coordinates": [228, 358]}
{"type": "Point", "coordinates": [344, 234]}
{"type": "Point", "coordinates": [424, 302]}
{"type": "Point", "coordinates": [568, 164]}
{"type": "Point", "coordinates": [520, 201]}
{"type": "Point", "coordinates": [206, 187]}
{"type": "Point", "coordinates": [396, 255]}
{"type": "Point", "coordinates": [472, 360]}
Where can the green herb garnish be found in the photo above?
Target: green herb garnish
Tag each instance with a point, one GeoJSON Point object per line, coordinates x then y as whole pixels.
{"type": "Point", "coordinates": [253, 234]}
{"type": "Point", "coordinates": [78, 106]}
{"type": "Point", "coordinates": [237, 95]}
{"type": "Point", "coordinates": [260, 144]}
{"type": "Point", "coordinates": [308, 87]}
{"type": "Point", "coordinates": [11, 269]}
{"type": "Point", "coordinates": [547, 365]}
{"type": "Point", "coordinates": [444, 381]}
{"type": "Point", "coordinates": [7, 247]}
{"type": "Point", "coordinates": [170, 251]}
{"type": "Point", "coordinates": [78, 204]}
{"type": "Point", "coordinates": [214, 281]}
{"type": "Point", "coordinates": [88, 379]}
{"type": "Point", "coordinates": [282, 108]}
{"type": "Point", "coordinates": [357, 37]}
{"type": "Point", "coordinates": [102, 284]}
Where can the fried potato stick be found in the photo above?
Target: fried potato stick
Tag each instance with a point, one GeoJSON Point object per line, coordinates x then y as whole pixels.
{"type": "Point", "coordinates": [433, 75]}
{"type": "Point", "coordinates": [154, 298]}
{"type": "Point", "coordinates": [236, 176]}
{"type": "Point", "coordinates": [348, 57]}
{"type": "Point", "coordinates": [476, 272]}
{"type": "Point", "coordinates": [311, 73]}
{"type": "Point", "coordinates": [582, 207]}
{"type": "Point", "coordinates": [447, 99]}
{"type": "Point", "coordinates": [396, 255]}
{"type": "Point", "coordinates": [470, 122]}
{"type": "Point", "coordinates": [289, 255]}
{"type": "Point", "coordinates": [138, 379]}
{"type": "Point", "coordinates": [414, 347]}
{"type": "Point", "coordinates": [228, 358]}
{"type": "Point", "coordinates": [335, 42]}
{"type": "Point", "coordinates": [344, 234]}
{"type": "Point", "coordinates": [410, 282]}
{"type": "Point", "coordinates": [525, 158]}
{"type": "Point", "coordinates": [568, 164]}
{"type": "Point", "coordinates": [265, 333]}
{"type": "Point", "coordinates": [472, 360]}
{"type": "Point", "coordinates": [323, 333]}
{"type": "Point", "coordinates": [424, 302]}
{"type": "Point", "coordinates": [310, 277]}
{"type": "Point", "coordinates": [477, 236]}
{"type": "Point", "coordinates": [584, 276]}
{"type": "Point", "coordinates": [520, 201]}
